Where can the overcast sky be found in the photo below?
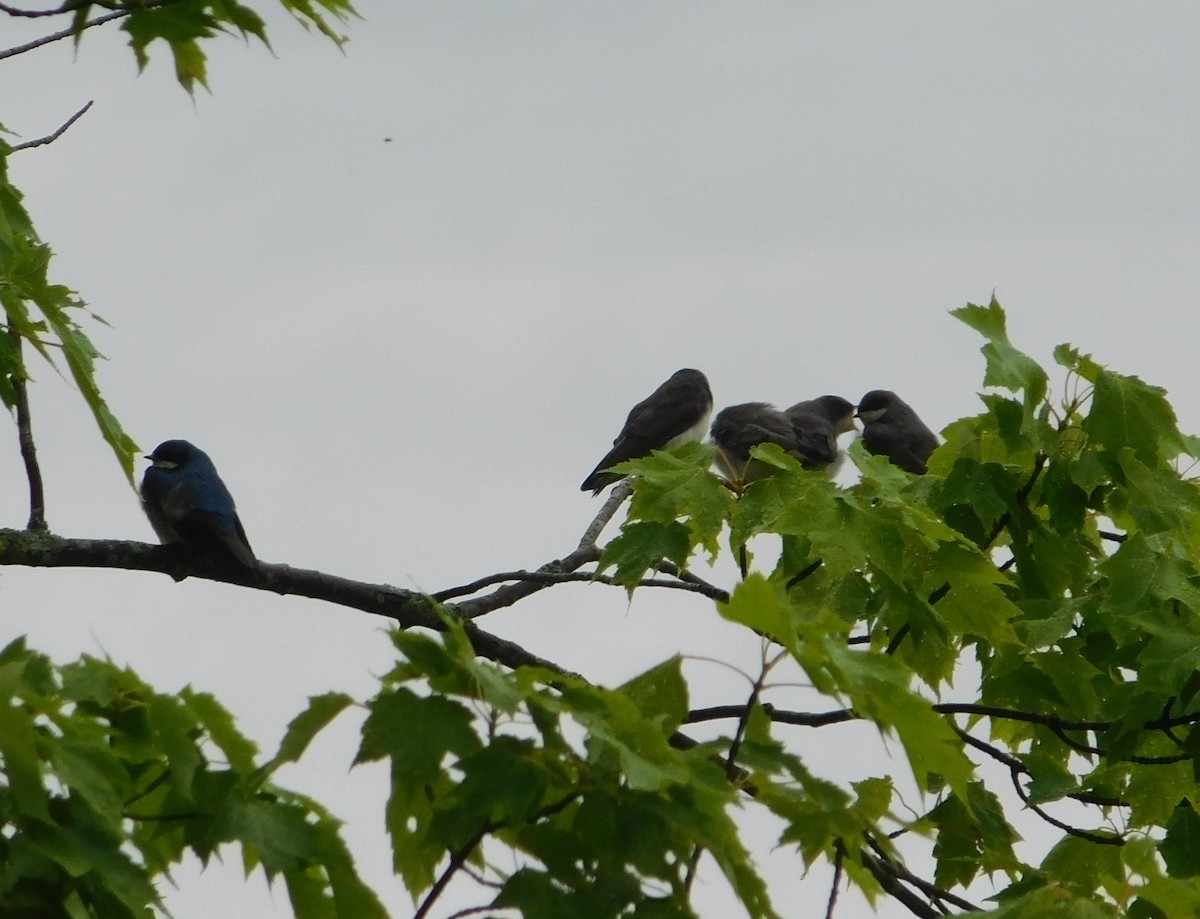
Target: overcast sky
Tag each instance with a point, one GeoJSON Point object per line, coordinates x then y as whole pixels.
{"type": "Point", "coordinates": [404, 296]}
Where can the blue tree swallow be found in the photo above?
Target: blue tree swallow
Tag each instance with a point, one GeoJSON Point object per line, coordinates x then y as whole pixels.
{"type": "Point", "coordinates": [189, 505]}
{"type": "Point", "coordinates": [892, 429]}
{"type": "Point", "coordinates": [675, 413]}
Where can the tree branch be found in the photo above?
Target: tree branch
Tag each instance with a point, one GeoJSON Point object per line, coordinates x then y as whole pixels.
{"type": "Point", "coordinates": [584, 553]}
{"type": "Point", "coordinates": [406, 608]}
{"type": "Point", "coordinates": [932, 891]}
{"type": "Point", "coordinates": [837, 880]}
{"type": "Point", "coordinates": [542, 576]}
{"type": "Point", "coordinates": [37, 495]}
{"type": "Point", "coordinates": [59, 36]}
{"type": "Point", "coordinates": [1098, 838]}
{"type": "Point", "coordinates": [51, 138]}
{"type": "Point", "coordinates": [804, 719]}
{"type": "Point", "coordinates": [459, 857]}
{"type": "Point", "coordinates": [895, 889]}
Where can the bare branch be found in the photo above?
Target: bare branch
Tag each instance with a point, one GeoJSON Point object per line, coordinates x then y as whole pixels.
{"type": "Point", "coordinates": [837, 880]}
{"type": "Point", "coordinates": [59, 36]}
{"type": "Point", "coordinates": [584, 553]}
{"type": "Point", "coordinates": [935, 893]}
{"type": "Point", "coordinates": [459, 857]}
{"type": "Point", "coordinates": [804, 719]}
{"type": "Point", "coordinates": [51, 138]}
{"type": "Point", "coordinates": [37, 494]}
{"type": "Point", "coordinates": [564, 577]}
{"type": "Point", "coordinates": [1098, 838]}
{"type": "Point", "coordinates": [895, 889]}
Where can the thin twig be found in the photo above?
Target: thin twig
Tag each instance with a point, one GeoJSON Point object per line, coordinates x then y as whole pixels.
{"type": "Point", "coordinates": [40, 14]}
{"type": "Point", "coordinates": [37, 494]}
{"type": "Point", "coordinates": [585, 552]}
{"type": "Point", "coordinates": [460, 855]}
{"type": "Point", "coordinates": [564, 577]}
{"type": "Point", "coordinates": [59, 36]}
{"type": "Point", "coordinates": [803, 719]}
{"type": "Point", "coordinates": [895, 889]}
{"type": "Point", "coordinates": [932, 891]}
{"type": "Point", "coordinates": [51, 138]}
{"type": "Point", "coordinates": [75, 30]}
{"type": "Point", "coordinates": [1098, 838]}
{"type": "Point", "coordinates": [837, 880]}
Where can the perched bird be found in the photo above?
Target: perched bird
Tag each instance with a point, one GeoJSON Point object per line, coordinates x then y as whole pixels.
{"type": "Point", "coordinates": [892, 429]}
{"type": "Point", "coordinates": [739, 427]}
{"type": "Point", "coordinates": [189, 505]}
{"type": "Point", "coordinates": [675, 413]}
{"type": "Point", "coordinates": [817, 424]}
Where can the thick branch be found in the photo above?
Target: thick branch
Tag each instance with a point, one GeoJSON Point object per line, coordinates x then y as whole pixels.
{"type": "Point", "coordinates": [406, 608]}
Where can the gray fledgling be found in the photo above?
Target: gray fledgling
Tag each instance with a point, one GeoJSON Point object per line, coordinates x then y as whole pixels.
{"type": "Point", "coordinates": [892, 429]}
{"type": "Point", "coordinates": [739, 427]}
{"type": "Point", "coordinates": [818, 423]}
{"type": "Point", "coordinates": [674, 414]}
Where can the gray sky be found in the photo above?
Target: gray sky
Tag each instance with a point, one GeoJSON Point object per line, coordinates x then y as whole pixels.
{"type": "Point", "coordinates": [404, 356]}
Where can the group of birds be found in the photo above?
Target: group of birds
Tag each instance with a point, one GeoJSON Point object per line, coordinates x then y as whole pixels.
{"type": "Point", "coordinates": [190, 507]}
{"type": "Point", "coordinates": [678, 412]}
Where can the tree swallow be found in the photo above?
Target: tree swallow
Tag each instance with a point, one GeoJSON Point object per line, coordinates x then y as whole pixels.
{"type": "Point", "coordinates": [818, 423]}
{"type": "Point", "coordinates": [892, 429]}
{"type": "Point", "coordinates": [739, 427]}
{"type": "Point", "coordinates": [189, 505]}
{"type": "Point", "coordinates": [675, 413]}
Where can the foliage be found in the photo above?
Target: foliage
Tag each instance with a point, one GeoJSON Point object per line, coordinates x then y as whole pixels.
{"type": "Point", "coordinates": [108, 783]}
{"type": "Point", "coordinates": [1025, 615]}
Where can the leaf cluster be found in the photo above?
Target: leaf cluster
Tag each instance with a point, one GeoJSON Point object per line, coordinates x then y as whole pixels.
{"type": "Point", "coordinates": [108, 783]}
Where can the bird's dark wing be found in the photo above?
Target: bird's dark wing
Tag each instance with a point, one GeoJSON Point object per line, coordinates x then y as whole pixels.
{"type": "Point", "coordinates": [740, 427]}
{"type": "Point", "coordinates": [816, 443]}
{"type": "Point", "coordinates": [217, 537]}
{"type": "Point", "coordinates": [670, 412]}
{"type": "Point", "coordinates": [198, 509]}
{"type": "Point", "coordinates": [905, 447]}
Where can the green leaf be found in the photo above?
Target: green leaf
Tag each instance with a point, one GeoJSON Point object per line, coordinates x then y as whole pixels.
{"type": "Point", "coordinates": [175, 730]}
{"type": "Point", "coordinates": [660, 694]}
{"type": "Point", "coordinates": [641, 546]}
{"type": "Point", "coordinates": [1181, 847]}
{"type": "Point", "coordinates": [305, 726]}
{"type": "Point", "coordinates": [416, 732]}
{"type": "Point", "coordinates": [352, 897]}
{"type": "Point", "coordinates": [1006, 366]}
{"type": "Point", "coordinates": [22, 764]}
{"type": "Point", "coordinates": [221, 727]}
{"type": "Point", "coordinates": [1127, 413]}
{"type": "Point", "coordinates": [1085, 866]}
{"type": "Point", "coordinates": [762, 605]}
{"type": "Point", "coordinates": [275, 833]}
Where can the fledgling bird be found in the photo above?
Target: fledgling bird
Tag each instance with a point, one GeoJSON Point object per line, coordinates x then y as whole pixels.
{"type": "Point", "coordinates": [892, 429]}
{"type": "Point", "coordinates": [189, 505]}
{"type": "Point", "coordinates": [737, 428]}
{"type": "Point", "coordinates": [818, 423]}
{"type": "Point", "coordinates": [675, 413]}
